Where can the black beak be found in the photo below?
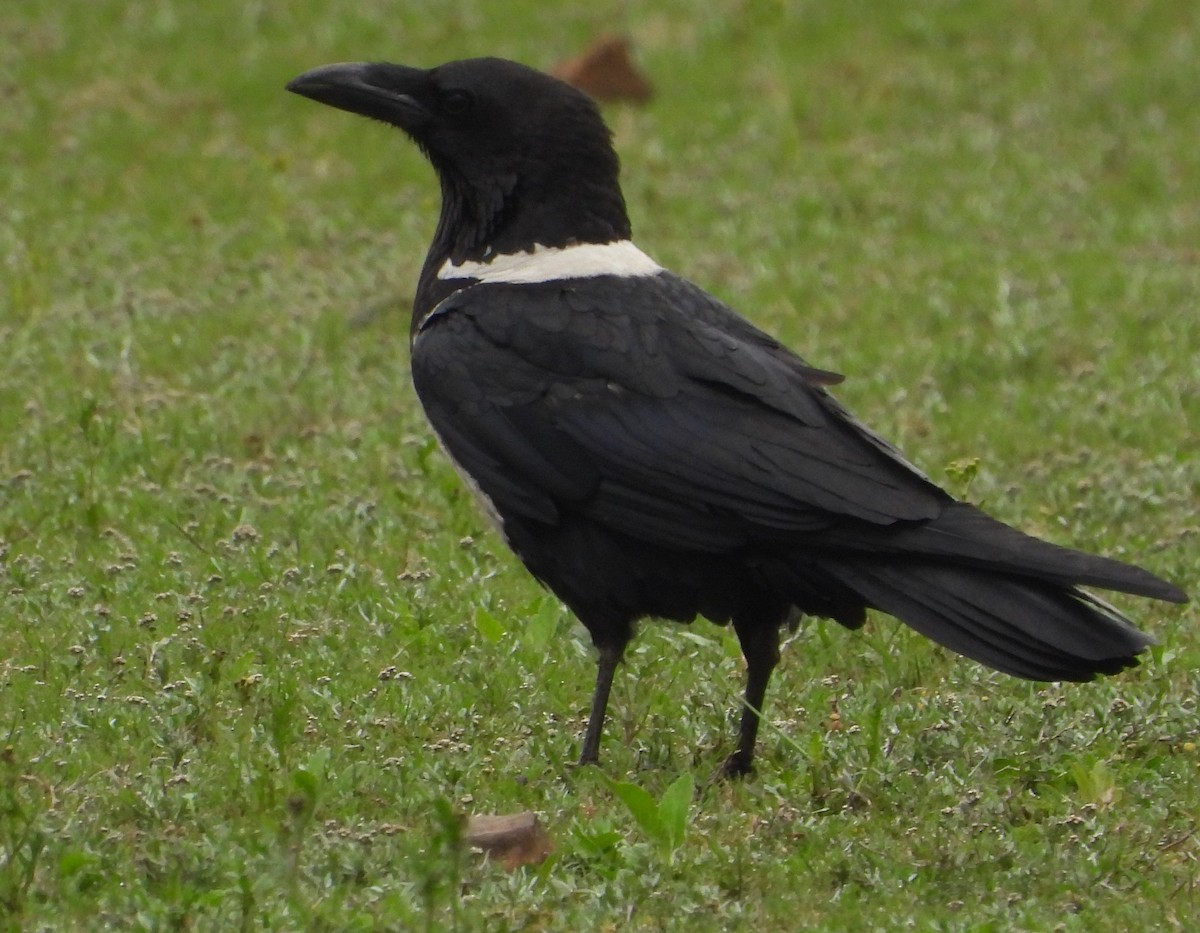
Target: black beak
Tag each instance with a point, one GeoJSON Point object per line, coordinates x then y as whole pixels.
{"type": "Point", "coordinates": [390, 93]}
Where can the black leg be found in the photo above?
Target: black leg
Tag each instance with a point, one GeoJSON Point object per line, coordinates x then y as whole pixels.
{"type": "Point", "coordinates": [606, 667]}
{"type": "Point", "coordinates": [760, 645]}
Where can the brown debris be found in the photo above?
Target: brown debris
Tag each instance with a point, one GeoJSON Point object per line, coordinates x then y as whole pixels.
{"type": "Point", "coordinates": [606, 72]}
{"type": "Point", "coordinates": [512, 839]}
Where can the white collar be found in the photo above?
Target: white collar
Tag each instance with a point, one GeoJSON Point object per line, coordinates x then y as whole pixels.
{"type": "Point", "coordinates": [552, 263]}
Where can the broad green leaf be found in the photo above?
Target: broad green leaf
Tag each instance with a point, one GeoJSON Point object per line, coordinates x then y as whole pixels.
{"type": "Point", "coordinates": [489, 626]}
{"type": "Point", "coordinates": [541, 625]}
{"type": "Point", "coordinates": [673, 809]}
{"type": "Point", "coordinates": [643, 808]}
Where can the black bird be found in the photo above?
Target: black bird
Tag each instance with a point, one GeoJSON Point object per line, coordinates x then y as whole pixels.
{"type": "Point", "coordinates": [647, 452]}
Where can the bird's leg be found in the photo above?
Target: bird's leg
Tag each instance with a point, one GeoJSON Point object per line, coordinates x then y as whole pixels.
{"type": "Point", "coordinates": [606, 666]}
{"type": "Point", "coordinates": [760, 646]}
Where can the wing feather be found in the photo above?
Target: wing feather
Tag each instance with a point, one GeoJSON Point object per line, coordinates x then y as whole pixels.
{"type": "Point", "coordinates": [654, 410]}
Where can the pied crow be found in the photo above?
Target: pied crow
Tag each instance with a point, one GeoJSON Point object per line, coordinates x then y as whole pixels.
{"type": "Point", "coordinates": [647, 452]}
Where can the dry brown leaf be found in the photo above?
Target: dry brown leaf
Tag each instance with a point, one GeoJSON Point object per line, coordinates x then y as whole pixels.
{"type": "Point", "coordinates": [606, 72]}
{"type": "Point", "coordinates": [512, 839]}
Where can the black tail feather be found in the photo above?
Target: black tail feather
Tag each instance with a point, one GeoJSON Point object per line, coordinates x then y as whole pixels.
{"type": "Point", "coordinates": [1036, 629]}
{"type": "Point", "coordinates": [963, 535]}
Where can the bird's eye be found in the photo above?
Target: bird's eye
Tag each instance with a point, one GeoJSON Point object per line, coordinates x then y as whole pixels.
{"type": "Point", "coordinates": [457, 102]}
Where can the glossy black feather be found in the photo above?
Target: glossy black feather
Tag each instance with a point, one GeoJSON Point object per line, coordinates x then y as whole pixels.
{"type": "Point", "coordinates": [648, 452]}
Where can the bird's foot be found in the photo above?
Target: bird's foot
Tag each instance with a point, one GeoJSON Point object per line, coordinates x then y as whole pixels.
{"type": "Point", "coordinates": [737, 766]}
{"type": "Point", "coordinates": [585, 759]}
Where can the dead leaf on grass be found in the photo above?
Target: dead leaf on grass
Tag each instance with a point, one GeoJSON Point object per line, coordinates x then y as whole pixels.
{"type": "Point", "coordinates": [512, 839]}
{"type": "Point", "coordinates": [606, 72]}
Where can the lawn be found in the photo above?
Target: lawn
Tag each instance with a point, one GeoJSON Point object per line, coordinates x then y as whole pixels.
{"type": "Point", "coordinates": [260, 654]}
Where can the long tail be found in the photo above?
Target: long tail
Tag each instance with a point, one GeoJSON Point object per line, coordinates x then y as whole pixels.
{"type": "Point", "coordinates": [999, 596]}
{"type": "Point", "coordinates": [1028, 628]}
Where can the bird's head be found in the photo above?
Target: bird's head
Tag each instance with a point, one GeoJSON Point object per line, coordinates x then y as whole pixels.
{"type": "Point", "coordinates": [523, 158]}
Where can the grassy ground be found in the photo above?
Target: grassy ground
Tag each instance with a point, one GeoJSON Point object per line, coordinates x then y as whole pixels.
{"type": "Point", "coordinates": [257, 649]}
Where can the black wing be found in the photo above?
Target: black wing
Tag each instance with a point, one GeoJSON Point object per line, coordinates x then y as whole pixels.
{"type": "Point", "coordinates": [648, 406]}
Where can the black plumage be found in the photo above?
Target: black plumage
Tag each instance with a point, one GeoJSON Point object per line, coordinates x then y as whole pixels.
{"type": "Point", "coordinates": [647, 452]}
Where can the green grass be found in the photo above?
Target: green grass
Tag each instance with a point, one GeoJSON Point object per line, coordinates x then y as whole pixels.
{"type": "Point", "coordinates": [257, 648]}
